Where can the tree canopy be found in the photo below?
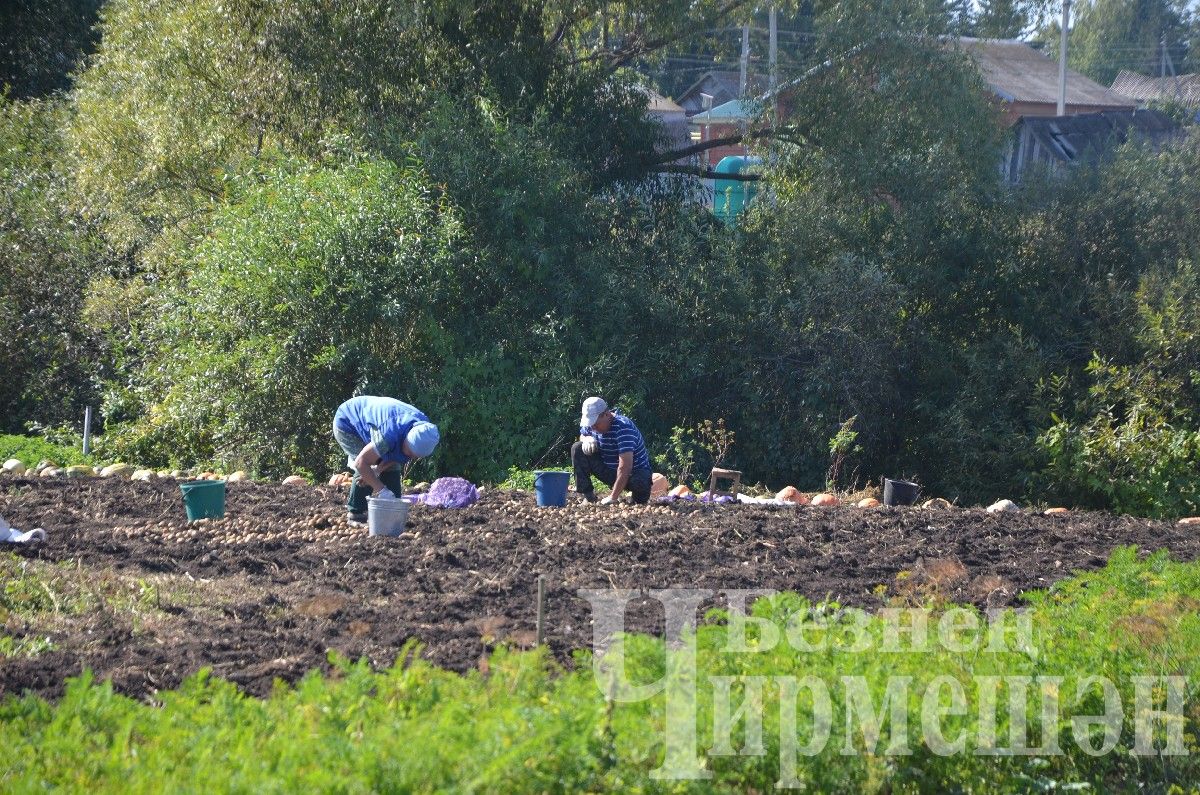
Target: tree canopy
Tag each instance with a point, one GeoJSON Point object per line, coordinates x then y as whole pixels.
{"type": "Point", "coordinates": [240, 214]}
{"type": "Point", "coordinates": [1110, 35]}
{"type": "Point", "coordinates": [43, 42]}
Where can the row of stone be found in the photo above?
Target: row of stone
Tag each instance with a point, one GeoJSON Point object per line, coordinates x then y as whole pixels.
{"type": "Point", "coordinates": [49, 469]}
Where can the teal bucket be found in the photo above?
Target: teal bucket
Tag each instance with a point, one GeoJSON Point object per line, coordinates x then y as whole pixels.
{"type": "Point", "coordinates": [203, 499]}
{"type": "Point", "coordinates": [551, 488]}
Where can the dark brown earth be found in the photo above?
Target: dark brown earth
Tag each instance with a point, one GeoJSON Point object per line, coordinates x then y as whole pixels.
{"type": "Point", "coordinates": [268, 593]}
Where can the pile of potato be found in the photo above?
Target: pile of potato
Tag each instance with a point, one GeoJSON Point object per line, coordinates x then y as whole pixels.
{"type": "Point", "coordinates": [232, 530]}
{"type": "Point", "coordinates": [580, 509]}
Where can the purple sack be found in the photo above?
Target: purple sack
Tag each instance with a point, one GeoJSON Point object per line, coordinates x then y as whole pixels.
{"type": "Point", "coordinates": [451, 493]}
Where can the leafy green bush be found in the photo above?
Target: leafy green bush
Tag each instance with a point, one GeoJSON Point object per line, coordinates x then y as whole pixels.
{"type": "Point", "coordinates": [531, 726]}
{"type": "Point", "coordinates": [30, 450]}
{"type": "Point", "coordinates": [678, 457]}
{"type": "Point", "coordinates": [311, 286]}
{"type": "Point", "coordinates": [1132, 442]}
{"type": "Point", "coordinates": [524, 478]}
{"type": "Point", "coordinates": [1140, 462]}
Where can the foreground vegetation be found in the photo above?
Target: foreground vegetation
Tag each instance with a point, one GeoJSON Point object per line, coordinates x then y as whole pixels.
{"type": "Point", "coordinates": [527, 725]}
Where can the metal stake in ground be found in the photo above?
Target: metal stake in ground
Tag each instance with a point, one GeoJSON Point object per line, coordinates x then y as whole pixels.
{"type": "Point", "coordinates": [541, 607]}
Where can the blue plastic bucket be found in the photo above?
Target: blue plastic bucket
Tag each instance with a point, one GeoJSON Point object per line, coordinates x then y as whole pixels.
{"type": "Point", "coordinates": [551, 488]}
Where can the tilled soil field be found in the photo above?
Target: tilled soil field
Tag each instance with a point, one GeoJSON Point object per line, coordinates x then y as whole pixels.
{"type": "Point", "coordinates": [268, 592]}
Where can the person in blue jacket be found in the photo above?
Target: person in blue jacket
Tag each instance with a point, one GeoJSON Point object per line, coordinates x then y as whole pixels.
{"type": "Point", "coordinates": [379, 435]}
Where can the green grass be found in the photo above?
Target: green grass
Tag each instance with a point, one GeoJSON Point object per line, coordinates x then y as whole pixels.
{"type": "Point", "coordinates": [31, 450]}
{"type": "Point", "coordinates": [523, 478]}
{"type": "Point", "coordinates": [34, 590]}
{"type": "Point", "coordinates": [24, 647]}
{"type": "Point", "coordinates": [531, 726]}
{"type": "Point", "coordinates": [43, 598]}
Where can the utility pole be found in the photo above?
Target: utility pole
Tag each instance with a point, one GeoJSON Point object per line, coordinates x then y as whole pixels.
{"type": "Point", "coordinates": [1170, 64]}
{"type": "Point", "coordinates": [1062, 59]}
{"type": "Point", "coordinates": [773, 53]}
{"type": "Point", "coordinates": [745, 65]}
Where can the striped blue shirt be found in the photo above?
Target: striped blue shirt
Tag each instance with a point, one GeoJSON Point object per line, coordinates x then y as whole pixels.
{"type": "Point", "coordinates": [622, 437]}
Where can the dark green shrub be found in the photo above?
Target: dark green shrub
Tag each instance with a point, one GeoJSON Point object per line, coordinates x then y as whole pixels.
{"type": "Point", "coordinates": [1132, 442]}
{"type": "Point", "coordinates": [48, 358]}
{"type": "Point", "coordinates": [312, 285]}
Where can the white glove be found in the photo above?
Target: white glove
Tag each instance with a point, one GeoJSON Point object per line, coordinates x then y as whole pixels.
{"type": "Point", "coordinates": [607, 500]}
{"type": "Point", "coordinates": [590, 445]}
{"type": "Point", "coordinates": [386, 494]}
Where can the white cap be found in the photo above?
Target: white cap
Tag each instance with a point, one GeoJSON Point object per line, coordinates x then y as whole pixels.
{"type": "Point", "coordinates": [593, 407]}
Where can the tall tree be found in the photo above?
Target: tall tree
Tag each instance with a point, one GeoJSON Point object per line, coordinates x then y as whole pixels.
{"type": "Point", "coordinates": [1110, 35]}
{"type": "Point", "coordinates": [42, 42]}
{"type": "Point", "coordinates": [181, 91]}
{"type": "Point", "coordinates": [47, 257]}
{"type": "Point", "coordinates": [1003, 19]}
{"type": "Point", "coordinates": [960, 17]}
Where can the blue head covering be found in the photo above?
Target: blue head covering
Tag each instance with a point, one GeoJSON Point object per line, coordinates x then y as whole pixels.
{"type": "Point", "coordinates": [422, 438]}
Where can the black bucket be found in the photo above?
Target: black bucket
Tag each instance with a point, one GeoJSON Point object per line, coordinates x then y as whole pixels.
{"type": "Point", "coordinates": [900, 492]}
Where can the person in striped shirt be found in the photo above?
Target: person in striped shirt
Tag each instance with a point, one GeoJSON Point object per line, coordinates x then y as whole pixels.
{"type": "Point", "coordinates": [611, 449]}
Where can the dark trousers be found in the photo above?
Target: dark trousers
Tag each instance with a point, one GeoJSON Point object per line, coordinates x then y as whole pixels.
{"type": "Point", "coordinates": [359, 491]}
{"type": "Point", "coordinates": [356, 503]}
{"type": "Point", "coordinates": [589, 466]}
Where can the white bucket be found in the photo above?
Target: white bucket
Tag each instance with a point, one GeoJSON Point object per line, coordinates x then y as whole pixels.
{"type": "Point", "coordinates": [386, 517]}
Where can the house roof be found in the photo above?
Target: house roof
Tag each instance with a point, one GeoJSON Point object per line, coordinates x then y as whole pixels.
{"type": "Point", "coordinates": [1086, 136]}
{"type": "Point", "coordinates": [1019, 73]}
{"type": "Point", "coordinates": [735, 110]}
{"type": "Point", "coordinates": [723, 85]}
{"type": "Point", "coordinates": [657, 103]}
{"type": "Point", "coordinates": [1184, 88]}
{"type": "Point", "coordinates": [728, 82]}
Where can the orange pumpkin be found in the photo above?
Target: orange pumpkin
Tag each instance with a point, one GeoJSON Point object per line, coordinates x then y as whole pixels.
{"type": "Point", "coordinates": [659, 485]}
{"type": "Point", "coordinates": [792, 494]}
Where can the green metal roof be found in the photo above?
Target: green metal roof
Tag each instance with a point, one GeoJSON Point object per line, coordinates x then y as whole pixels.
{"type": "Point", "coordinates": [735, 110]}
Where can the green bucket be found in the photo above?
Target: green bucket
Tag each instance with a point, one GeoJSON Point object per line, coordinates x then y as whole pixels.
{"type": "Point", "coordinates": [203, 499]}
